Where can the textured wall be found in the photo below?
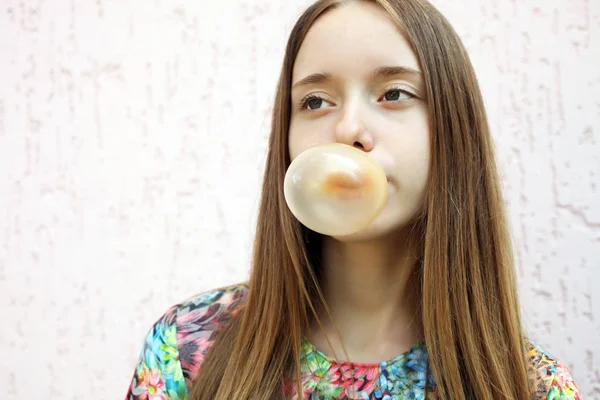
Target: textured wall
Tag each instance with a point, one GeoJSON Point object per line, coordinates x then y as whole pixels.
{"type": "Point", "coordinates": [132, 140]}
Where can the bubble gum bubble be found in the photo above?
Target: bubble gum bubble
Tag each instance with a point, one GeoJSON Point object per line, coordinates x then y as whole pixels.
{"type": "Point", "coordinates": [335, 189]}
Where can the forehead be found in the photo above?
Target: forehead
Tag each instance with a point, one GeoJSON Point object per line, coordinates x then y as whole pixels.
{"type": "Point", "coordinates": [353, 40]}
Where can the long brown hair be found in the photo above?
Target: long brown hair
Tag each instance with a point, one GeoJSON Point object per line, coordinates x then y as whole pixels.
{"type": "Point", "coordinates": [469, 299]}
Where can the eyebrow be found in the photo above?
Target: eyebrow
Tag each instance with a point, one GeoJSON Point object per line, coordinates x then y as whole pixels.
{"type": "Point", "coordinates": [381, 72]}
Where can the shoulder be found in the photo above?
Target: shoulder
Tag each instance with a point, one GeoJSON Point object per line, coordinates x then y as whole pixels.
{"type": "Point", "coordinates": [551, 378]}
{"type": "Point", "coordinates": [175, 345]}
{"type": "Point", "coordinates": [199, 318]}
{"type": "Point", "coordinates": [208, 311]}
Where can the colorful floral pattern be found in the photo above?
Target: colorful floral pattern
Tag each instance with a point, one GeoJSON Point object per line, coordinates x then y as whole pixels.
{"type": "Point", "coordinates": [405, 377]}
{"type": "Point", "coordinates": [177, 343]}
{"type": "Point", "coordinates": [552, 378]}
{"type": "Point", "coordinates": [158, 375]}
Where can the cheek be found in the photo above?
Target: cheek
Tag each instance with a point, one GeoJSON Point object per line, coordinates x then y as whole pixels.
{"type": "Point", "coordinates": [413, 155]}
{"type": "Point", "coordinates": [294, 142]}
{"type": "Point", "coordinates": [298, 138]}
{"type": "Point", "coordinates": [303, 136]}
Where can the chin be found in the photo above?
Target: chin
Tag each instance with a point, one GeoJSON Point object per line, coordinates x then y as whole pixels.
{"type": "Point", "coordinates": [384, 226]}
{"type": "Point", "coordinates": [367, 234]}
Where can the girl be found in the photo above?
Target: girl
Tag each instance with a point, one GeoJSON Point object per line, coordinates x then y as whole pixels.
{"type": "Point", "coordinates": [420, 304]}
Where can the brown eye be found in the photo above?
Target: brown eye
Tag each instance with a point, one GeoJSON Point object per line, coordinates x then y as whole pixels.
{"type": "Point", "coordinates": [397, 95]}
{"type": "Point", "coordinates": [392, 95]}
{"type": "Point", "coordinates": [314, 104]}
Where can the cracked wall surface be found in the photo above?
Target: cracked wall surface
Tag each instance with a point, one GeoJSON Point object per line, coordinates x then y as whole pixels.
{"type": "Point", "coordinates": [132, 142]}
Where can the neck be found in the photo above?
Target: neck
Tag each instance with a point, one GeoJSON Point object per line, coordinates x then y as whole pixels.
{"type": "Point", "coordinates": [372, 294]}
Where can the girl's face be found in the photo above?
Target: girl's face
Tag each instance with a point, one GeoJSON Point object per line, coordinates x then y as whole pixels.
{"type": "Point", "coordinates": [356, 81]}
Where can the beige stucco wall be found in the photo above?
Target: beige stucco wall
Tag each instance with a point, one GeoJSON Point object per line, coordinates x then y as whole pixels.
{"type": "Point", "coordinates": [132, 137]}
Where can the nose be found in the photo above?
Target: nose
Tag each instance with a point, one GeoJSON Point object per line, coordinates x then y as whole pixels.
{"type": "Point", "coordinates": [350, 130]}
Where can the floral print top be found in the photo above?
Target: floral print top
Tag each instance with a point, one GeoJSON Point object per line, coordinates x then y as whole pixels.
{"type": "Point", "coordinates": [175, 346]}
